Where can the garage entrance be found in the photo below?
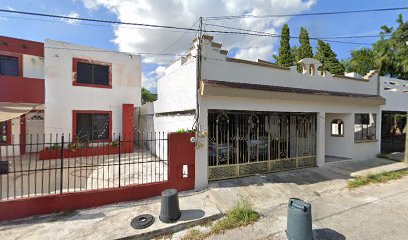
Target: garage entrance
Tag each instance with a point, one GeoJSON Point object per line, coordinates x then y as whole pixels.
{"type": "Point", "coordinates": [247, 143]}
{"type": "Point", "coordinates": [392, 132]}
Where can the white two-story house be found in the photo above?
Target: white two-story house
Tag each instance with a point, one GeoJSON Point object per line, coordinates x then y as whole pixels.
{"type": "Point", "coordinates": [59, 88]}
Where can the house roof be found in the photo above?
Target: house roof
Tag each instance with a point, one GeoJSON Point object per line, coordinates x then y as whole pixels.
{"type": "Point", "coordinates": [269, 88]}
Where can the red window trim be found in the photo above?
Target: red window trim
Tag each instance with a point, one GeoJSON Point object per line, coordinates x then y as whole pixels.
{"type": "Point", "coordinates": [8, 142]}
{"type": "Point", "coordinates": [19, 56]}
{"type": "Point", "coordinates": [75, 62]}
{"type": "Point", "coordinates": [74, 124]}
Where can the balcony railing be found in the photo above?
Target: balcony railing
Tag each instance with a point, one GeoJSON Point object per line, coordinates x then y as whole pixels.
{"type": "Point", "coordinates": [21, 90]}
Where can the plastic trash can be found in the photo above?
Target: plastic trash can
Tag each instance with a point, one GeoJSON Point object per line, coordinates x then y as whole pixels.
{"type": "Point", "coordinates": [170, 210]}
{"type": "Point", "coordinates": [299, 222]}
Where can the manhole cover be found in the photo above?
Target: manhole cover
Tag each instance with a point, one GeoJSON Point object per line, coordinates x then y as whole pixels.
{"type": "Point", "coordinates": [142, 221]}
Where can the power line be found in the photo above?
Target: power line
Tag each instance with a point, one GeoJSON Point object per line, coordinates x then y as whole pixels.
{"type": "Point", "coordinates": [88, 24]}
{"type": "Point", "coordinates": [101, 50]}
{"type": "Point", "coordinates": [306, 14]}
{"type": "Point", "coordinates": [175, 42]}
{"type": "Point", "coordinates": [94, 20]}
{"type": "Point", "coordinates": [321, 38]}
{"type": "Point", "coordinates": [278, 36]}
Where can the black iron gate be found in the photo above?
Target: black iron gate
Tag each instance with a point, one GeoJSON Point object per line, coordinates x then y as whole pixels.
{"type": "Point", "coordinates": [247, 143]}
{"type": "Point", "coordinates": [392, 132]}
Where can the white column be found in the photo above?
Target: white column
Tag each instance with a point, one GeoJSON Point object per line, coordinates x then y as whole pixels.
{"type": "Point", "coordinates": [201, 161]}
{"type": "Point", "coordinates": [321, 139]}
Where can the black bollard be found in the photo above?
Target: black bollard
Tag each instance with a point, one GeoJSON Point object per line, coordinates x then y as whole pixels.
{"type": "Point", "coordinates": [170, 210]}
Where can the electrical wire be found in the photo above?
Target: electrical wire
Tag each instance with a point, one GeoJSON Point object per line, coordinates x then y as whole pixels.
{"type": "Point", "coordinates": [306, 14]}
{"type": "Point", "coordinates": [321, 38]}
{"type": "Point", "coordinates": [101, 50]}
{"type": "Point", "coordinates": [177, 41]}
{"type": "Point", "coordinates": [94, 20]}
{"type": "Point", "coordinates": [278, 36]}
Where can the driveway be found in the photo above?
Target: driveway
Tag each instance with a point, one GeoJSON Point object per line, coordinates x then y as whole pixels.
{"type": "Point", "coordinates": [369, 212]}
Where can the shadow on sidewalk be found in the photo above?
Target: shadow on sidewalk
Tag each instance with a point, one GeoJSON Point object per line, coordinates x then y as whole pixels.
{"type": "Point", "coordinates": [327, 234]}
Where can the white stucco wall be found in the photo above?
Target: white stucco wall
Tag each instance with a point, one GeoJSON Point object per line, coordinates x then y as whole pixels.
{"type": "Point", "coordinates": [176, 90]}
{"type": "Point", "coordinates": [396, 94]}
{"type": "Point", "coordinates": [12, 150]}
{"type": "Point", "coordinates": [340, 146]}
{"type": "Point", "coordinates": [62, 97]}
{"type": "Point", "coordinates": [33, 66]}
{"type": "Point", "coordinates": [216, 67]}
{"type": "Point", "coordinates": [357, 151]}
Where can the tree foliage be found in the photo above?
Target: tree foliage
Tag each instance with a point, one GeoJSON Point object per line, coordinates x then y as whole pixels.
{"type": "Point", "coordinates": [285, 56]}
{"type": "Point", "coordinates": [147, 96]}
{"type": "Point", "coordinates": [362, 61]}
{"type": "Point", "coordinates": [388, 54]}
{"type": "Point", "coordinates": [305, 49]}
{"type": "Point", "coordinates": [328, 58]}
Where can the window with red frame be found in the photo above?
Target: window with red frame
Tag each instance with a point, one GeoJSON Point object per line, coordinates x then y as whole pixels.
{"type": "Point", "coordinates": [93, 126]}
{"type": "Point", "coordinates": [5, 132]}
{"type": "Point", "coordinates": [93, 74]}
{"type": "Point", "coordinates": [9, 65]}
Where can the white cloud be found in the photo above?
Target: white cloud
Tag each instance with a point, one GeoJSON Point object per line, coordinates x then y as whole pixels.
{"type": "Point", "coordinates": [184, 13]}
{"type": "Point", "coordinates": [149, 80]}
{"type": "Point", "coordinates": [73, 15]}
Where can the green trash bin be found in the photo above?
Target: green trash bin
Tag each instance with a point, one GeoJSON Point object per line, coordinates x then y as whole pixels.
{"type": "Point", "coordinates": [299, 222]}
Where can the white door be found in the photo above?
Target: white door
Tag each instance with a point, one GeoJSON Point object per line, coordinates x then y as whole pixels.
{"type": "Point", "coordinates": [34, 131]}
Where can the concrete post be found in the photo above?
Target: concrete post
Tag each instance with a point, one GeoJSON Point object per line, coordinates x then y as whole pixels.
{"type": "Point", "coordinates": [201, 164]}
{"type": "Point", "coordinates": [320, 139]}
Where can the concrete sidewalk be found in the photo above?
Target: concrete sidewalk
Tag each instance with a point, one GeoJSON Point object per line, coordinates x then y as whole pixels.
{"type": "Point", "coordinates": [269, 193]}
{"type": "Point", "coordinates": [112, 221]}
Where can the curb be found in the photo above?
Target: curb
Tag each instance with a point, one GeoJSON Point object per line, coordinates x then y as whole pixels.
{"type": "Point", "coordinates": [172, 229]}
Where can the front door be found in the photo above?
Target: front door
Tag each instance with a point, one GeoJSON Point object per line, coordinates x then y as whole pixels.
{"type": "Point", "coordinates": [34, 131]}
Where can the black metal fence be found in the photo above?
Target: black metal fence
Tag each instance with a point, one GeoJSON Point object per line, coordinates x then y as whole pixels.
{"type": "Point", "coordinates": [56, 164]}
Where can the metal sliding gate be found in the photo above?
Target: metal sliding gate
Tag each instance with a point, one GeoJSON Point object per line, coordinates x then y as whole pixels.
{"type": "Point", "coordinates": [247, 143]}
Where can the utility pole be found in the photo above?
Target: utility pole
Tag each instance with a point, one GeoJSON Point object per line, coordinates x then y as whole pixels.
{"type": "Point", "coordinates": [198, 74]}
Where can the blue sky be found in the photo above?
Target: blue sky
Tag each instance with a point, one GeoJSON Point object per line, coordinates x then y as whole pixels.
{"type": "Point", "coordinates": [166, 12]}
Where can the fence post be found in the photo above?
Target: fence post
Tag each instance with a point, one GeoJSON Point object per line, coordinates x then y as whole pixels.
{"type": "Point", "coordinates": [119, 159]}
{"type": "Point", "coordinates": [62, 163]}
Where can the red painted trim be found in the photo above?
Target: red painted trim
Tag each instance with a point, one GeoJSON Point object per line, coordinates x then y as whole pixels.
{"type": "Point", "coordinates": [19, 56]}
{"type": "Point", "coordinates": [25, 207]}
{"type": "Point", "coordinates": [74, 119]}
{"type": "Point", "coordinates": [22, 134]}
{"type": "Point", "coordinates": [21, 46]}
{"type": "Point", "coordinates": [128, 123]}
{"type": "Point", "coordinates": [182, 152]}
{"type": "Point", "coordinates": [75, 62]}
{"type": "Point", "coordinates": [48, 154]}
{"type": "Point", "coordinates": [22, 90]}
{"type": "Point", "coordinates": [8, 134]}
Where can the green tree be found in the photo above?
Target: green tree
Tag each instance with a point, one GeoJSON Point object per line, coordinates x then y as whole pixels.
{"type": "Point", "coordinates": [328, 58]}
{"type": "Point", "coordinates": [362, 61]}
{"type": "Point", "coordinates": [285, 56]}
{"type": "Point", "coordinates": [392, 52]}
{"type": "Point", "coordinates": [305, 49]}
{"type": "Point", "coordinates": [388, 54]}
{"type": "Point", "coordinates": [147, 96]}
